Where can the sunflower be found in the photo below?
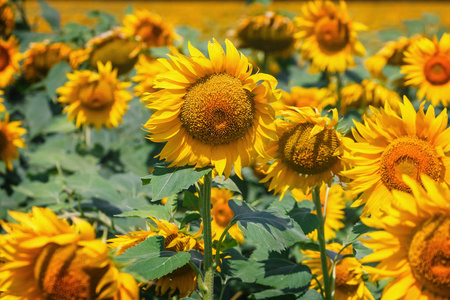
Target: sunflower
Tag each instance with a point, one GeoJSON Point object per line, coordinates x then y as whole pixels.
{"type": "Point", "coordinates": [367, 93]}
{"type": "Point", "coordinates": [222, 214]}
{"type": "Point", "coordinates": [2, 107]}
{"type": "Point", "coordinates": [391, 145]}
{"type": "Point", "coordinates": [412, 245]}
{"type": "Point", "coordinates": [300, 97]}
{"type": "Point", "coordinates": [7, 19]}
{"type": "Point", "coordinates": [212, 111]}
{"type": "Point", "coordinates": [308, 152]}
{"type": "Point", "coordinates": [427, 66]}
{"type": "Point", "coordinates": [333, 205]}
{"type": "Point", "coordinates": [348, 272]}
{"type": "Point", "coordinates": [392, 53]}
{"type": "Point", "coordinates": [94, 98]}
{"type": "Point", "coordinates": [271, 32]}
{"type": "Point", "coordinates": [9, 61]}
{"type": "Point", "coordinates": [41, 57]}
{"type": "Point", "coordinates": [328, 36]}
{"type": "Point", "coordinates": [149, 29]}
{"type": "Point", "coordinates": [182, 279]}
{"type": "Point", "coordinates": [10, 140]}
{"type": "Point", "coordinates": [46, 258]}
{"type": "Point", "coordinates": [146, 70]}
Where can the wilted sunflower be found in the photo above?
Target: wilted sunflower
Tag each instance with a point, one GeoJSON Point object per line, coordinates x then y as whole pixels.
{"type": "Point", "coordinates": [392, 145]}
{"type": "Point", "coordinates": [149, 29]}
{"type": "Point", "coordinates": [7, 19]}
{"type": "Point", "coordinates": [413, 244]}
{"type": "Point", "coordinates": [212, 111]}
{"type": "Point", "coordinates": [46, 258]}
{"type": "Point", "coordinates": [392, 54]}
{"type": "Point", "coordinates": [368, 93]}
{"type": "Point", "coordinates": [271, 32]}
{"type": "Point", "coordinates": [307, 153]}
{"type": "Point", "coordinates": [41, 57]}
{"type": "Point", "coordinates": [328, 36]}
{"type": "Point", "coordinates": [182, 279]}
{"type": "Point", "coordinates": [349, 284]}
{"type": "Point", "coordinates": [10, 140]}
{"type": "Point", "coordinates": [332, 210]}
{"type": "Point", "coordinates": [314, 97]}
{"type": "Point", "coordinates": [146, 70]}
{"type": "Point", "coordinates": [111, 46]}
{"type": "Point", "coordinates": [9, 61]}
{"type": "Point", "coordinates": [222, 214]}
{"type": "Point", "coordinates": [427, 66]}
{"type": "Point", "coordinates": [94, 98]}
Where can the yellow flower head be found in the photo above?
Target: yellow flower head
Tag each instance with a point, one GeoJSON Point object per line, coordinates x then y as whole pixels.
{"type": "Point", "coordinates": [97, 99]}
{"type": "Point", "coordinates": [10, 140]}
{"type": "Point", "coordinates": [307, 153]}
{"type": "Point", "coordinates": [182, 279]}
{"type": "Point", "coordinates": [348, 271]}
{"type": "Point", "coordinates": [427, 66]}
{"type": "Point", "coordinates": [392, 145]}
{"type": "Point", "coordinates": [7, 19]}
{"type": "Point", "coordinates": [270, 32]}
{"type": "Point", "coordinates": [46, 258]}
{"type": "Point", "coordinates": [413, 243]}
{"type": "Point", "coordinates": [300, 97]}
{"type": "Point", "coordinates": [149, 29]}
{"type": "Point", "coordinates": [212, 111]}
{"type": "Point", "coordinates": [9, 61]}
{"type": "Point", "coordinates": [41, 57]}
{"type": "Point", "coordinates": [2, 107]}
{"type": "Point", "coordinates": [328, 36]}
{"type": "Point", "coordinates": [146, 70]}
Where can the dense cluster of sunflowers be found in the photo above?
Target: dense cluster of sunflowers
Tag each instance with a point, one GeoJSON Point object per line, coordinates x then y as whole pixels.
{"type": "Point", "coordinates": [337, 189]}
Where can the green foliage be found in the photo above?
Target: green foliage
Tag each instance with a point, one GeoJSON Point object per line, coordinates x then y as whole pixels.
{"type": "Point", "coordinates": [50, 15]}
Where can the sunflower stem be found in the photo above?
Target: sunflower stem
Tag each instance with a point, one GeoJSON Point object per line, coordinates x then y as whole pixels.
{"type": "Point", "coordinates": [205, 211]}
{"type": "Point", "coordinates": [321, 238]}
{"type": "Point", "coordinates": [87, 136]}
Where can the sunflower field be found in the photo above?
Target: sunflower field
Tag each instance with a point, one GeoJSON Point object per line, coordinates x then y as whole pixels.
{"type": "Point", "coordinates": [271, 154]}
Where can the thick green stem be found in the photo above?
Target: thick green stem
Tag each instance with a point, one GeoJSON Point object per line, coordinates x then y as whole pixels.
{"type": "Point", "coordinates": [205, 211]}
{"type": "Point", "coordinates": [321, 238]}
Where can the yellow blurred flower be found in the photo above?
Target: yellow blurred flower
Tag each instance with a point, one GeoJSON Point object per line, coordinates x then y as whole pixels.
{"type": "Point", "coordinates": [46, 258]}
{"type": "Point", "coordinates": [301, 97]}
{"type": "Point", "coordinates": [10, 140]}
{"type": "Point", "coordinates": [412, 245]}
{"type": "Point", "coordinates": [328, 36]}
{"type": "Point", "coordinates": [146, 70]}
{"type": "Point", "coordinates": [97, 99]}
{"type": "Point", "coordinates": [9, 61]}
{"type": "Point", "coordinates": [7, 19]}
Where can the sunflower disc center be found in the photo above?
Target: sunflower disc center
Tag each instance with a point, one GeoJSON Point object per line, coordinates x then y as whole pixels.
{"type": "Point", "coordinates": [344, 274]}
{"type": "Point", "coordinates": [410, 156]}
{"type": "Point", "coordinates": [437, 70]}
{"type": "Point", "coordinates": [217, 110]}
{"type": "Point", "coordinates": [97, 96]}
{"type": "Point", "coordinates": [4, 58]}
{"type": "Point", "coordinates": [308, 155]}
{"type": "Point", "coordinates": [429, 255]}
{"type": "Point", "coordinates": [332, 34]}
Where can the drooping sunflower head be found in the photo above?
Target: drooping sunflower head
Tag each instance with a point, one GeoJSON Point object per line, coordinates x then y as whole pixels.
{"type": "Point", "coordinates": [97, 99]}
{"type": "Point", "coordinates": [9, 61]}
{"type": "Point", "coordinates": [212, 111]}
{"type": "Point", "coordinates": [41, 57]}
{"type": "Point", "coordinates": [389, 146]}
{"type": "Point", "coordinates": [348, 271]}
{"type": "Point", "coordinates": [7, 19]}
{"type": "Point", "coordinates": [307, 153]}
{"type": "Point", "coordinates": [149, 29]}
{"type": "Point", "coordinates": [412, 245]}
{"type": "Point", "coordinates": [47, 258]}
{"type": "Point", "coordinates": [328, 36]}
{"type": "Point", "coordinates": [314, 97]}
{"type": "Point", "coordinates": [427, 66]}
{"type": "Point", "coordinates": [10, 140]}
{"type": "Point", "coordinates": [146, 70]}
{"type": "Point", "coordinates": [270, 32]}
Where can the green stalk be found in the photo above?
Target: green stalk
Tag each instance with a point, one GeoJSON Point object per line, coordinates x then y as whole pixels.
{"type": "Point", "coordinates": [205, 212]}
{"type": "Point", "coordinates": [321, 238]}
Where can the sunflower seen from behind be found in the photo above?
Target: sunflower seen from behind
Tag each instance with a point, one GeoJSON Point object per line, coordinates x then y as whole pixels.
{"type": "Point", "coordinates": [95, 98]}
{"type": "Point", "coordinates": [328, 36]}
{"type": "Point", "coordinates": [7, 19]}
{"type": "Point", "coordinates": [9, 61]}
{"type": "Point", "coordinates": [212, 111]}
{"type": "Point", "coordinates": [314, 97]}
{"type": "Point", "coordinates": [390, 145]}
{"type": "Point", "coordinates": [412, 244]}
{"type": "Point", "coordinates": [44, 257]}
{"type": "Point", "coordinates": [427, 66]}
{"type": "Point", "coordinates": [10, 140]}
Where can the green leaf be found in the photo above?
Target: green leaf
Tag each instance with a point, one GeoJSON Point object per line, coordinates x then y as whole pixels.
{"type": "Point", "coordinates": [263, 2]}
{"type": "Point", "coordinates": [169, 181]}
{"type": "Point", "coordinates": [37, 113]}
{"type": "Point", "coordinates": [311, 295]}
{"type": "Point", "coordinates": [105, 20]}
{"type": "Point", "coordinates": [51, 15]}
{"type": "Point", "coordinates": [358, 229]}
{"type": "Point", "coordinates": [226, 184]}
{"type": "Point", "coordinates": [307, 221]}
{"type": "Point", "coordinates": [150, 260]}
{"type": "Point", "coordinates": [190, 201]}
{"type": "Point", "coordinates": [59, 124]}
{"type": "Point", "coordinates": [155, 210]}
{"type": "Point", "coordinates": [267, 228]}
{"type": "Point", "coordinates": [56, 77]}
{"type": "Point", "coordinates": [189, 217]}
